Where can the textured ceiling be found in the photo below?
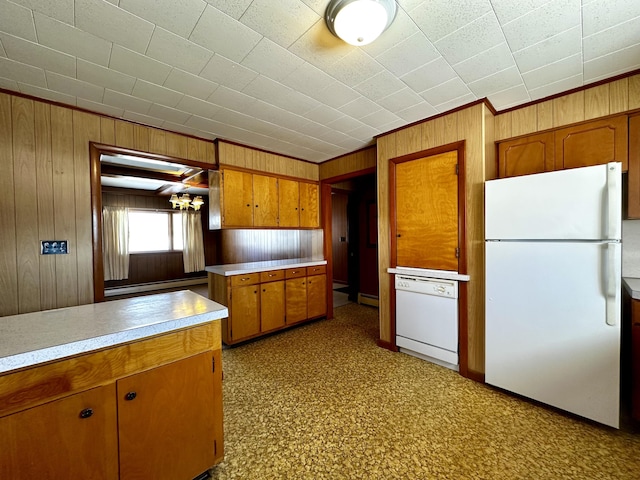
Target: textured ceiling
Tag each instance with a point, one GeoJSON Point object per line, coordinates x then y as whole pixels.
{"type": "Point", "coordinates": [268, 73]}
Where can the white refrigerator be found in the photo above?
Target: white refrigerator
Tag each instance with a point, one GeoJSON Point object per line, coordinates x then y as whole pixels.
{"type": "Point", "coordinates": [553, 287]}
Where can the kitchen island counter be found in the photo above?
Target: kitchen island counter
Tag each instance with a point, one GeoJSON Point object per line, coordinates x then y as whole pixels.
{"type": "Point", "coordinates": [264, 266]}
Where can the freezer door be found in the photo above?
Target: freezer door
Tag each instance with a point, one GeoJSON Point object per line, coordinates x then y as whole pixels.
{"type": "Point", "coordinates": [575, 204]}
{"type": "Point", "coordinates": [547, 333]}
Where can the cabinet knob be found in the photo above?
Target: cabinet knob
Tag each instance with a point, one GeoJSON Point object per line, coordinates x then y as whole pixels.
{"type": "Point", "coordinates": [86, 413]}
{"type": "Point", "coordinates": [248, 204]}
{"type": "Point", "coordinates": [256, 206]}
{"type": "Point", "coordinates": [130, 396]}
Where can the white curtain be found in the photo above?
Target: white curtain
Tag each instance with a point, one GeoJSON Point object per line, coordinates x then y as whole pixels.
{"type": "Point", "coordinates": [115, 242]}
{"type": "Point", "coordinates": [193, 247]}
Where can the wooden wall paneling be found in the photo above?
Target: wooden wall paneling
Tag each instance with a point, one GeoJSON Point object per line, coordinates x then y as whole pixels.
{"type": "Point", "coordinates": [596, 102]}
{"type": "Point", "coordinates": [86, 129]}
{"type": "Point", "coordinates": [125, 137]}
{"type": "Point", "coordinates": [503, 127]}
{"type": "Point", "coordinates": [634, 92]}
{"type": "Point", "coordinates": [210, 153]}
{"type": "Point", "coordinates": [8, 261]}
{"type": "Point", "coordinates": [157, 141]}
{"type": "Point", "coordinates": [141, 137]}
{"type": "Point", "coordinates": [26, 206]}
{"type": "Point", "coordinates": [524, 120]}
{"type": "Point", "coordinates": [409, 140]}
{"type": "Point", "coordinates": [44, 193]}
{"type": "Point", "coordinates": [64, 204]}
{"type": "Point", "coordinates": [361, 160]}
{"type": "Point", "coordinates": [107, 131]}
{"type": "Point", "coordinates": [490, 160]}
{"type": "Point", "coordinates": [619, 96]}
{"type": "Point", "coordinates": [568, 109]}
{"type": "Point", "coordinates": [545, 115]}
{"type": "Point", "coordinates": [176, 145]}
{"type": "Point", "coordinates": [446, 129]}
{"type": "Point", "coordinates": [196, 150]}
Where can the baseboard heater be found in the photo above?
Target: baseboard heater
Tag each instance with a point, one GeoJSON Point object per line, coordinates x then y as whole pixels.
{"type": "Point", "coordinates": [366, 299]}
{"type": "Point", "coordinates": [148, 287]}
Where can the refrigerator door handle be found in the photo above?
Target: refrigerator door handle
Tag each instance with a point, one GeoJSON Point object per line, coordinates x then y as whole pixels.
{"type": "Point", "coordinates": [613, 208]}
{"type": "Point", "coordinates": [613, 283]}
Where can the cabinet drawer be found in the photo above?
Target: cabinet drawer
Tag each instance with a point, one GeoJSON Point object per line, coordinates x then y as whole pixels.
{"type": "Point", "coordinates": [295, 272]}
{"type": "Point", "coordinates": [317, 270]}
{"type": "Point", "coordinates": [247, 279]}
{"type": "Point", "coordinates": [271, 276]}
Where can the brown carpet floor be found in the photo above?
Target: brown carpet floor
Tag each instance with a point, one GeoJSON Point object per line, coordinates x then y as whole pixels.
{"type": "Point", "coordinates": [322, 401]}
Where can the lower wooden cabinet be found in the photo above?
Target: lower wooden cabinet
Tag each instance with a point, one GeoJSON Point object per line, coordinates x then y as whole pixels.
{"type": "Point", "coordinates": [296, 295]}
{"type": "Point", "coordinates": [272, 307]}
{"type": "Point", "coordinates": [635, 359]}
{"type": "Point", "coordinates": [316, 296]}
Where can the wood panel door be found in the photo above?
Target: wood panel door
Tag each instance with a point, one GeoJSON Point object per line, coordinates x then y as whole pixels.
{"type": "Point", "coordinates": [316, 296]}
{"type": "Point", "coordinates": [527, 155]}
{"type": "Point", "coordinates": [166, 421]}
{"type": "Point", "coordinates": [296, 300]}
{"type": "Point", "coordinates": [272, 306]}
{"type": "Point", "coordinates": [288, 203]}
{"type": "Point", "coordinates": [237, 199]}
{"type": "Point", "coordinates": [309, 206]}
{"type": "Point", "coordinates": [340, 237]}
{"type": "Point", "coordinates": [54, 441]}
{"type": "Point", "coordinates": [593, 143]}
{"type": "Point", "coordinates": [265, 201]}
{"type": "Point", "coordinates": [426, 199]}
{"type": "Point", "coordinates": [244, 314]}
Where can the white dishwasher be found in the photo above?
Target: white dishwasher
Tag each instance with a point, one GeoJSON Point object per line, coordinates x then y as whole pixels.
{"type": "Point", "coordinates": [427, 319]}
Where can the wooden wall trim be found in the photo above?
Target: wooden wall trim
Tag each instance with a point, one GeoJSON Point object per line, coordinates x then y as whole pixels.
{"type": "Point", "coordinates": [349, 176]}
{"type": "Point", "coordinates": [326, 223]}
{"type": "Point", "coordinates": [224, 166]}
{"type": "Point", "coordinates": [113, 150]}
{"type": "Point", "coordinates": [230, 142]}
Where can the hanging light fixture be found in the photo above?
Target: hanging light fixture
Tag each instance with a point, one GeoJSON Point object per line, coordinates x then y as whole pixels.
{"type": "Point", "coordinates": [359, 22]}
{"type": "Point", "coordinates": [184, 202]}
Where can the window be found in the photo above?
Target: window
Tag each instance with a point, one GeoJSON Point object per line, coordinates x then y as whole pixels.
{"type": "Point", "coordinates": [153, 231]}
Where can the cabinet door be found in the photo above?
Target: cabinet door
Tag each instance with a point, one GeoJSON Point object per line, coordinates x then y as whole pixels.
{"type": "Point", "coordinates": [272, 306]}
{"type": "Point", "coordinates": [296, 300]}
{"type": "Point", "coordinates": [288, 203]}
{"type": "Point", "coordinates": [244, 314]}
{"type": "Point", "coordinates": [592, 143]}
{"type": "Point", "coordinates": [523, 156]}
{"type": "Point", "coordinates": [265, 201]}
{"type": "Point", "coordinates": [57, 441]}
{"type": "Point", "coordinates": [309, 211]}
{"type": "Point", "coordinates": [167, 430]}
{"type": "Point", "coordinates": [426, 191]}
{"type": "Point", "coordinates": [635, 359]}
{"type": "Point", "coordinates": [237, 199]}
{"type": "Point", "coordinates": [316, 296]}
{"type": "Point", "coordinates": [633, 196]}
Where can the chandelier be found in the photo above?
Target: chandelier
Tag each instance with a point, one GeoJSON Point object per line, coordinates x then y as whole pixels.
{"type": "Point", "coordinates": [184, 202]}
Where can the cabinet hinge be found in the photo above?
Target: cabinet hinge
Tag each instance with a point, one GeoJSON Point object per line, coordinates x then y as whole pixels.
{"type": "Point", "coordinates": [457, 169]}
{"type": "Point", "coordinates": [457, 252]}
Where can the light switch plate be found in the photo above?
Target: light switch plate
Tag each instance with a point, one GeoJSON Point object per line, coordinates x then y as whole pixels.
{"type": "Point", "coordinates": [54, 247]}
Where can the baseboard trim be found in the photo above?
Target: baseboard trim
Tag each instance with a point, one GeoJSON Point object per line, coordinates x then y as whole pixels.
{"type": "Point", "coordinates": [148, 287]}
{"type": "Point", "coordinates": [365, 299]}
{"type": "Point", "coordinates": [387, 345]}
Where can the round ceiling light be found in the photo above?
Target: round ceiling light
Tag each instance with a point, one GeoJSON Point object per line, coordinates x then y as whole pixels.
{"type": "Point", "coordinates": [359, 22]}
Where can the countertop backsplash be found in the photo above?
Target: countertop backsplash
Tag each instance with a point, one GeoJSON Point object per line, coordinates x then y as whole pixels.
{"type": "Point", "coordinates": [631, 248]}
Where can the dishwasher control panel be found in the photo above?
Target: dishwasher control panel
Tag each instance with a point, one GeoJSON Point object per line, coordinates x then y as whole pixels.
{"type": "Point", "coordinates": [428, 286]}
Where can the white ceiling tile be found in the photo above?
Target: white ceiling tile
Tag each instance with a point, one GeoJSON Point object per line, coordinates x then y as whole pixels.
{"type": "Point", "coordinates": [233, 8]}
{"type": "Point", "coordinates": [401, 100]}
{"type": "Point", "coordinates": [336, 95]}
{"type": "Point", "coordinates": [37, 55]}
{"type": "Point", "coordinates": [308, 79]}
{"type": "Point", "coordinates": [138, 65]}
{"type": "Point", "coordinates": [360, 107]}
{"type": "Point", "coordinates": [280, 95]}
{"type": "Point", "coordinates": [246, 122]}
{"type": "Point", "coordinates": [17, 20]}
{"type": "Point", "coordinates": [445, 92]}
{"type": "Point", "coordinates": [270, 59]}
{"type": "Point", "coordinates": [603, 14]}
{"type": "Point", "coordinates": [156, 94]}
{"type": "Point", "coordinates": [226, 72]}
{"type": "Point", "coordinates": [100, 108]}
{"type": "Point", "coordinates": [324, 114]}
{"type": "Point", "coordinates": [380, 118]}
{"type": "Point", "coordinates": [470, 40]}
{"type": "Point", "coordinates": [114, 24]}
{"type": "Point", "coordinates": [402, 28]}
{"type": "Point", "coordinates": [456, 102]}
{"type": "Point", "coordinates": [344, 123]}
{"type": "Point", "coordinates": [74, 87]}
{"type": "Point", "coordinates": [71, 40]}
{"type": "Point", "coordinates": [354, 68]}
{"type": "Point", "coordinates": [203, 124]}
{"type": "Point", "coordinates": [8, 84]}
{"type": "Point", "coordinates": [554, 72]}
{"type": "Point", "coordinates": [429, 75]}
{"type": "Point", "coordinates": [176, 127]}
{"type": "Point", "coordinates": [485, 63]}
{"type": "Point", "coordinates": [364, 131]}
{"type": "Point", "coordinates": [435, 19]}
{"type": "Point", "coordinates": [408, 55]}
{"type": "Point", "coordinates": [496, 82]}
{"type": "Point", "coordinates": [126, 102]}
{"type": "Point", "coordinates": [143, 119]}
{"type": "Point", "coordinates": [197, 106]}
{"type": "Point", "coordinates": [232, 99]}
{"type": "Point", "coordinates": [46, 94]}
{"type": "Point", "coordinates": [177, 16]}
{"type": "Point", "coordinates": [319, 47]}
{"type": "Point", "coordinates": [318, 6]}
{"type": "Point", "coordinates": [559, 15]}
{"type": "Point", "coordinates": [105, 77]}
{"type": "Point", "coordinates": [313, 129]}
{"type": "Point", "coordinates": [379, 85]}
{"type": "Point", "coordinates": [283, 21]}
{"type": "Point", "coordinates": [616, 38]}
{"type": "Point", "coordinates": [167, 113]}
{"type": "Point", "coordinates": [623, 60]}
{"type": "Point", "coordinates": [215, 29]}
{"type": "Point", "coordinates": [416, 112]}
{"type": "Point", "coordinates": [508, 10]}
{"type": "Point", "coordinates": [189, 84]}
{"type": "Point", "coordinates": [3, 53]}
{"type": "Point", "coordinates": [408, 5]}
{"type": "Point", "coordinates": [59, 9]}
{"type": "Point", "coordinates": [557, 87]}
{"type": "Point", "coordinates": [509, 97]}
{"type": "Point", "coordinates": [22, 73]}
{"type": "Point", "coordinates": [276, 115]}
{"type": "Point", "coordinates": [552, 49]}
{"type": "Point", "coordinates": [177, 51]}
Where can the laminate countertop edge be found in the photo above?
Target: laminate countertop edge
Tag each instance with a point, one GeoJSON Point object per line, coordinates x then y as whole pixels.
{"type": "Point", "coordinates": [264, 266]}
{"type": "Point", "coordinates": [633, 286]}
{"type": "Point", "coordinates": [33, 338]}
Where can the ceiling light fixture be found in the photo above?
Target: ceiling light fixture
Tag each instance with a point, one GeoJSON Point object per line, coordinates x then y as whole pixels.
{"type": "Point", "coordinates": [184, 202]}
{"type": "Point", "coordinates": [359, 22]}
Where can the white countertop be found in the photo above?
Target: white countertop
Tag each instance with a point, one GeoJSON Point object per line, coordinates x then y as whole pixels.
{"type": "Point", "coordinates": [423, 272]}
{"type": "Point", "coordinates": [633, 286]}
{"type": "Point", "coordinates": [32, 338]}
{"type": "Point", "coordinates": [254, 267]}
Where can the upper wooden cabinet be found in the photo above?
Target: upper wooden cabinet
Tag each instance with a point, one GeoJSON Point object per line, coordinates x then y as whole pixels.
{"type": "Point", "coordinates": [237, 199]}
{"type": "Point", "coordinates": [523, 156]}
{"type": "Point", "coordinates": [288, 203]}
{"type": "Point", "coordinates": [309, 209]}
